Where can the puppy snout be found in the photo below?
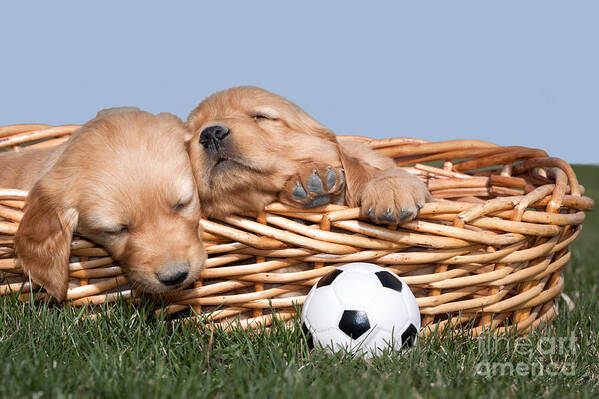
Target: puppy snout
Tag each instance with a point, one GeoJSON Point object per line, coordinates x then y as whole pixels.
{"type": "Point", "coordinates": [213, 136]}
{"type": "Point", "coordinates": [173, 274]}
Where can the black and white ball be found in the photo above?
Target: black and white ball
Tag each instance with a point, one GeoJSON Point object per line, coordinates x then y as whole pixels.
{"type": "Point", "coordinates": [363, 308]}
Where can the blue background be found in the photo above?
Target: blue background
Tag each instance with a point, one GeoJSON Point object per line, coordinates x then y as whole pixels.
{"type": "Point", "coordinates": [512, 72]}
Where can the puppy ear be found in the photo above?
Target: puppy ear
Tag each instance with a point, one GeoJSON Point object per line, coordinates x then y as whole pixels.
{"type": "Point", "coordinates": [176, 121]}
{"type": "Point", "coordinates": [115, 110]}
{"type": "Point", "coordinates": [43, 241]}
{"type": "Point", "coordinates": [357, 174]}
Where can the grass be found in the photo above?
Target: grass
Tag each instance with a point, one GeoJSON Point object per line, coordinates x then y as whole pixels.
{"type": "Point", "coordinates": [54, 352]}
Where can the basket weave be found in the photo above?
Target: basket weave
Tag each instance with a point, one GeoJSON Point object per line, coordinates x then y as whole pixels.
{"type": "Point", "coordinates": [490, 250]}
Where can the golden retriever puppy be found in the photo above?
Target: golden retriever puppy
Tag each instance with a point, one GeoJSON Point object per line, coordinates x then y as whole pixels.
{"type": "Point", "coordinates": [124, 181]}
{"type": "Point", "coordinates": [251, 147]}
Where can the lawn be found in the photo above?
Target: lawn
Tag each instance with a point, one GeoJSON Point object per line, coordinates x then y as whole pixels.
{"type": "Point", "coordinates": [55, 352]}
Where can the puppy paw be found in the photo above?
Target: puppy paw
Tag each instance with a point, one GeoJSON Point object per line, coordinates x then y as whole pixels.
{"type": "Point", "coordinates": [393, 196]}
{"type": "Point", "coordinates": [315, 184]}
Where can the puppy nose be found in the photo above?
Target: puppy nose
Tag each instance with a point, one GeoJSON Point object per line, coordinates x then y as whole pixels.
{"type": "Point", "coordinates": [173, 274]}
{"type": "Point", "coordinates": [212, 136]}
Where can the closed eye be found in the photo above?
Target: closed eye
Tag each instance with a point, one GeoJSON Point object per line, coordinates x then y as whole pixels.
{"type": "Point", "coordinates": [117, 230]}
{"type": "Point", "coordinates": [181, 205]}
{"type": "Point", "coordinates": [258, 116]}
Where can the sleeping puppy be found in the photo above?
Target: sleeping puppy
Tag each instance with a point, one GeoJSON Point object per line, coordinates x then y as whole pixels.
{"type": "Point", "coordinates": [124, 181]}
{"type": "Point", "coordinates": [251, 147]}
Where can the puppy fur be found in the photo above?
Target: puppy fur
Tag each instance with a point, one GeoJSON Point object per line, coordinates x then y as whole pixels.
{"type": "Point", "coordinates": [124, 181]}
{"type": "Point", "coordinates": [268, 148]}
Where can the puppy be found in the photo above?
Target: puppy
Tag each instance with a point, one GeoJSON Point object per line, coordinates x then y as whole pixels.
{"type": "Point", "coordinates": [251, 147]}
{"type": "Point", "coordinates": [124, 181]}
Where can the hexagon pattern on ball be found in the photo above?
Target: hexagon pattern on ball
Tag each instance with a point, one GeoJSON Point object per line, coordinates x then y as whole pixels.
{"type": "Point", "coordinates": [361, 307]}
{"type": "Point", "coordinates": [354, 289]}
{"type": "Point", "coordinates": [387, 304]}
{"type": "Point", "coordinates": [328, 312]}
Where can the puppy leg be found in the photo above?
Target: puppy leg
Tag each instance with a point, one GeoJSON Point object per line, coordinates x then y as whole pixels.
{"type": "Point", "coordinates": [393, 196]}
{"type": "Point", "coordinates": [384, 192]}
{"type": "Point", "coordinates": [315, 184]}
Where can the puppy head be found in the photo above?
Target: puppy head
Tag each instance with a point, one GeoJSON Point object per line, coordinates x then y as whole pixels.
{"type": "Point", "coordinates": [125, 182]}
{"type": "Point", "coordinates": [248, 140]}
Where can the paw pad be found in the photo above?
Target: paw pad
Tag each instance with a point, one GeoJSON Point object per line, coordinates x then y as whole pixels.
{"type": "Point", "coordinates": [331, 178]}
{"type": "Point", "coordinates": [318, 201]}
{"type": "Point", "coordinates": [388, 216]}
{"type": "Point", "coordinates": [314, 183]}
{"type": "Point", "coordinates": [405, 215]}
{"type": "Point", "coordinates": [298, 192]}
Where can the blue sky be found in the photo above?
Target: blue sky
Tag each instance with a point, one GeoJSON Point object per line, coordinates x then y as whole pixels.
{"type": "Point", "coordinates": [515, 73]}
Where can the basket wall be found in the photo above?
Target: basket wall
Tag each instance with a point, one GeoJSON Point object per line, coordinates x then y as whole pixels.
{"type": "Point", "coordinates": [490, 250]}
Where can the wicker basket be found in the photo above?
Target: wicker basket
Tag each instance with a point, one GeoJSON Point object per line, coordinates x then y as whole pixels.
{"type": "Point", "coordinates": [490, 250]}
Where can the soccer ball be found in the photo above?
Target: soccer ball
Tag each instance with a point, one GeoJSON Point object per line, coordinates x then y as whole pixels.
{"type": "Point", "coordinates": [363, 308]}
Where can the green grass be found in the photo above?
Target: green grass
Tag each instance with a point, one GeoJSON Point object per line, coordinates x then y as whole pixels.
{"type": "Point", "coordinates": [55, 352]}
